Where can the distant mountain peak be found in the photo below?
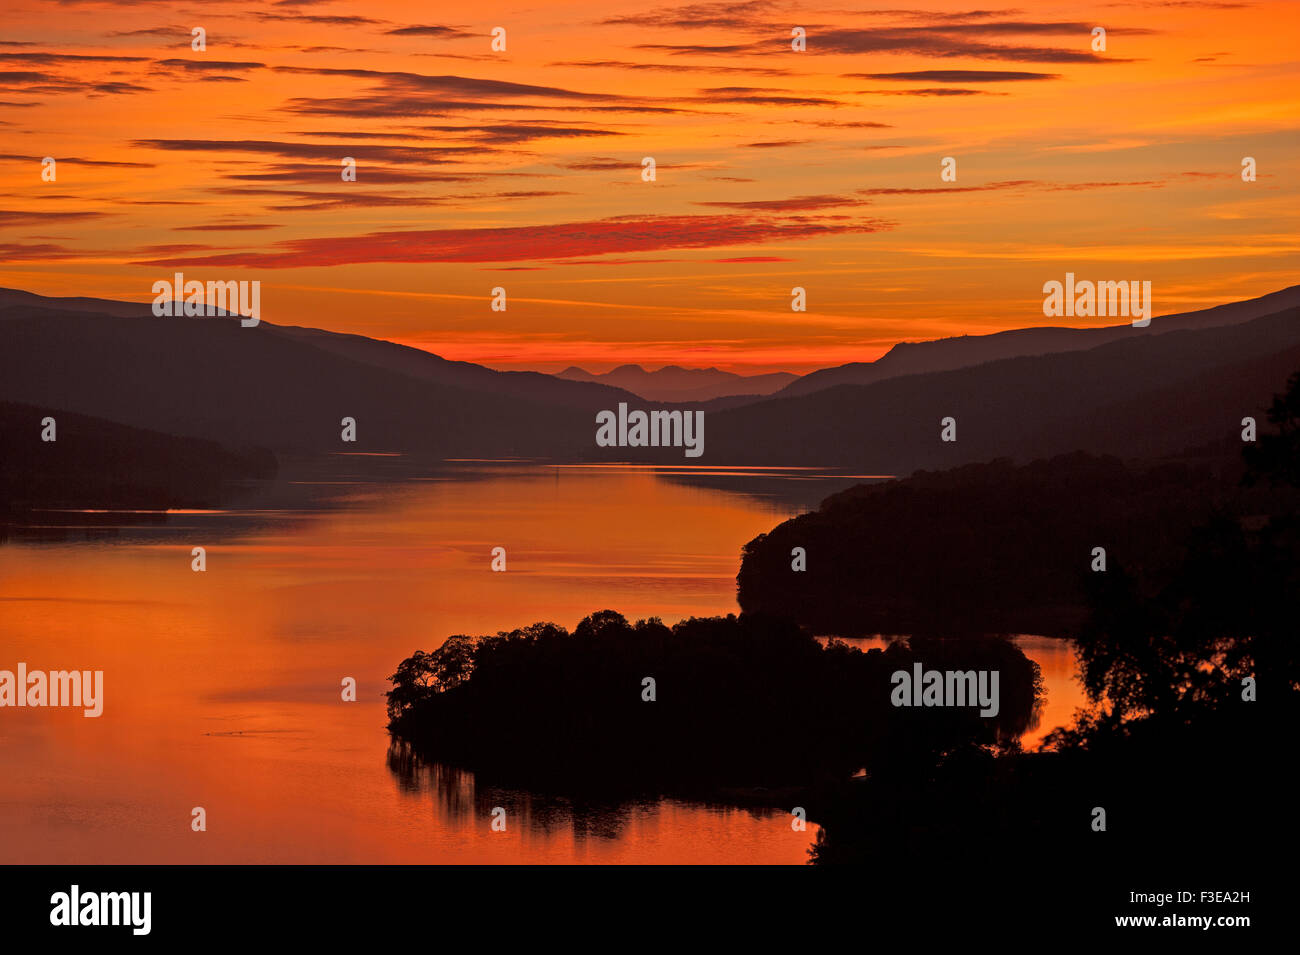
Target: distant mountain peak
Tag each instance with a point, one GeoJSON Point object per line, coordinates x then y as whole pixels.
{"type": "Point", "coordinates": [677, 383]}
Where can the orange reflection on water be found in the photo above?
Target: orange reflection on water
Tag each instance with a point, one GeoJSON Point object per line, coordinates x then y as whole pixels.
{"type": "Point", "coordinates": [222, 688]}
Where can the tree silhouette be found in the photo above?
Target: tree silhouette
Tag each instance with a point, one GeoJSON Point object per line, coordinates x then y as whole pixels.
{"type": "Point", "coordinates": [739, 700]}
{"type": "Point", "coordinates": [1276, 457]}
{"type": "Point", "coordinates": [1227, 614]}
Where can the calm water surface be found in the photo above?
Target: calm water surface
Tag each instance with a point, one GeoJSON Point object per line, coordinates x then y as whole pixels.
{"type": "Point", "coordinates": [222, 689]}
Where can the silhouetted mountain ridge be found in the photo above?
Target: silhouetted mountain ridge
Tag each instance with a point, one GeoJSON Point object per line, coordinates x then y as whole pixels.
{"type": "Point", "coordinates": [675, 383]}
{"type": "Point", "coordinates": [1147, 396]}
{"type": "Point", "coordinates": [287, 388]}
{"type": "Point", "coordinates": [946, 354]}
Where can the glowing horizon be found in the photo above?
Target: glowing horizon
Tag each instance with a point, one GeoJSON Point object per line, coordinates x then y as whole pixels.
{"type": "Point", "coordinates": [775, 168]}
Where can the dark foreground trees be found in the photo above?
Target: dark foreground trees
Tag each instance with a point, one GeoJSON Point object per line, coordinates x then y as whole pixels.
{"type": "Point", "coordinates": [1222, 633]}
{"type": "Point", "coordinates": [1006, 546]}
{"type": "Point", "coordinates": [1180, 763]}
{"type": "Point", "coordinates": [748, 700]}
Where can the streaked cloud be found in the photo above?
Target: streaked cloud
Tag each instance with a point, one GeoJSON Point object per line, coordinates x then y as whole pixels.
{"type": "Point", "coordinates": [516, 243]}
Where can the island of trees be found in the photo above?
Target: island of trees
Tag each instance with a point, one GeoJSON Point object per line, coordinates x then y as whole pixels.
{"type": "Point", "coordinates": [1186, 644]}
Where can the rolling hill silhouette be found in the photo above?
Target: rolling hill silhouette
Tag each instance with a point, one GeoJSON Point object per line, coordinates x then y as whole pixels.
{"type": "Point", "coordinates": [284, 388]}
{"type": "Point", "coordinates": [12, 297]}
{"type": "Point", "coordinates": [98, 463]}
{"type": "Point", "coordinates": [1004, 545]}
{"type": "Point", "coordinates": [1145, 396]}
{"type": "Point", "coordinates": [947, 354]}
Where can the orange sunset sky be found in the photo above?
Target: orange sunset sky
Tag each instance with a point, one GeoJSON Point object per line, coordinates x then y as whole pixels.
{"type": "Point", "coordinates": [775, 168]}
